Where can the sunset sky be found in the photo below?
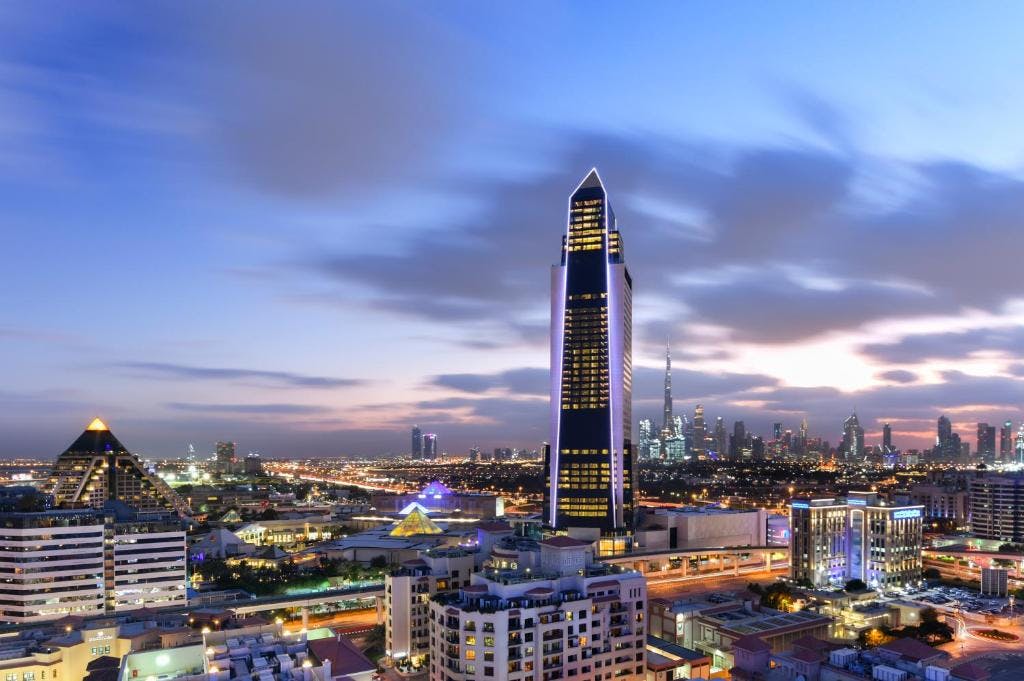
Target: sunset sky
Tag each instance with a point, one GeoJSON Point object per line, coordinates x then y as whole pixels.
{"type": "Point", "coordinates": [307, 230]}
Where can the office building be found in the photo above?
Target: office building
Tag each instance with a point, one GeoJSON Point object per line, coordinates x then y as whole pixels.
{"type": "Point", "coordinates": [886, 438]}
{"type": "Point", "coordinates": [567, 617]}
{"type": "Point", "coordinates": [997, 507]}
{"type": "Point", "coordinates": [417, 443]}
{"type": "Point", "coordinates": [88, 562]}
{"type": "Point", "coordinates": [590, 461]}
{"type": "Point", "coordinates": [833, 540]}
{"type": "Point", "coordinates": [97, 468]}
{"type": "Point", "coordinates": [776, 431]}
{"type": "Point", "coordinates": [1019, 447]}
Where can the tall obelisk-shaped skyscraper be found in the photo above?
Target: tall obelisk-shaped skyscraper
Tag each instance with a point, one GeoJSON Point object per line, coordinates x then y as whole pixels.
{"type": "Point", "coordinates": [591, 472]}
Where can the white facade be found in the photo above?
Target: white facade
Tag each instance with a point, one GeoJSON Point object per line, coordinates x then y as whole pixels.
{"type": "Point", "coordinates": [59, 563]}
{"type": "Point", "coordinates": [52, 566]}
{"type": "Point", "coordinates": [539, 626]}
{"type": "Point", "coordinates": [149, 566]}
{"type": "Point", "coordinates": [407, 595]}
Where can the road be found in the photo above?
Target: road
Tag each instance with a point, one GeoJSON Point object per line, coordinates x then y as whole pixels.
{"type": "Point", "coordinates": [348, 622]}
{"type": "Point", "coordinates": [675, 588]}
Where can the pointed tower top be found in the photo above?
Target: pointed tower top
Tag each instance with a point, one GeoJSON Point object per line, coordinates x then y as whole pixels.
{"type": "Point", "coordinates": [97, 424]}
{"type": "Point", "coordinates": [591, 181]}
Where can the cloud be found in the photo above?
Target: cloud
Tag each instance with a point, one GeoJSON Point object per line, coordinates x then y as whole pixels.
{"type": "Point", "coordinates": [524, 381]}
{"type": "Point", "coordinates": [282, 409]}
{"type": "Point", "coordinates": [279, 378]}
{"type": "Point", "coordinates": [898, 376]}
{"type": "Point", "coordinates": [918, 348]}
{"type": "Point", "coordinates": [332, 99]}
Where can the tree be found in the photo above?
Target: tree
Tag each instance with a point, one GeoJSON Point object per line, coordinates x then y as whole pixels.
{"type": "Point", "coordinates": [931, 630]}
{"type": "Point", "coordinates": [932, 573]}
{"type": "Point", "coordinates": [872, 638]}
{"type": "Point", "coordinates": [379, 562]}
{"type": "Point", "coordinates": [269, 514]}
{"type": "Point", "coordinates": [855, 585]}
{"type": "Point", "coordinates": [777, 596]}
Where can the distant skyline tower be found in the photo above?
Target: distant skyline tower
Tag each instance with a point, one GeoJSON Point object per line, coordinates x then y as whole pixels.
{"type": "Point", "coordinates": [739, 439]}
{"type": "Point", "coordinates": [666, 421]}
{"type": "Point", "coordinates": [886, 437]}
{"type": "Point", "coordinates": [699, 430]}
{"type": "Point", "coordinates": [590, 461]}
{"type": "Point", "coordinates": [429, 446]}
{"type": "Point", "coordinates": [853, 437]}
{"type": "Point", "coordinates": [1020, 444]}
{"type": "Point", "coordinates": [986, 445]}
{"type": "Point", "coordinates": [1006, 441]}
{"type": "Point", "coordinates": [721, 440]}
{"type": "Point", "coordinates": [776, 431]}
{"type": "Point", "coordinates": [945, 448]}
{"type": "Point", "coordinates": [417, 443]}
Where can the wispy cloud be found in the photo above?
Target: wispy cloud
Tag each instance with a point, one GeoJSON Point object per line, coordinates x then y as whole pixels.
{"type": "Point", "coordinates": [283, 409]}
{"type": "Point", "coordinates": [169, 371]}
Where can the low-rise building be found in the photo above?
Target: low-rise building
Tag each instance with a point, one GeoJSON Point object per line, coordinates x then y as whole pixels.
{"type": "Point", "coordinates": [700, 527]}
{"type": "Point", "coordinates": [261, 652]}
{"type": "Point", "coordinates": [834, 540]}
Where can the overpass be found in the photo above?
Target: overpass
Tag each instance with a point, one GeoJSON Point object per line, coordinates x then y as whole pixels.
{"type": "Point", "coordinates": [698, 562]}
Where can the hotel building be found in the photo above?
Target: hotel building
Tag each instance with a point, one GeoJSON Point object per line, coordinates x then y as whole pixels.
{"type": "Point", "coordinates": [833, 540]}
{"type": "Point", "coordinates": [59, 563]}
{"type": "Point", "coordinates": [590, 459]}
{"type": "Point", "coordinates": [568, 617]}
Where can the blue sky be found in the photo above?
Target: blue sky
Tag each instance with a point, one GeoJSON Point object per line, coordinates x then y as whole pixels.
{"type": "Point", "coordinates": [307, 229]}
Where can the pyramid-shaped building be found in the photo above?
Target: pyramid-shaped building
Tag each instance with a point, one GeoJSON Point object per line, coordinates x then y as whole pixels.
{"type": "Point", "coordinates": [97, 468]}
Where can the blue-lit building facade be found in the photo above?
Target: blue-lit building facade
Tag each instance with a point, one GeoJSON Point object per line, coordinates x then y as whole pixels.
{"type": "Point", "coordinates": [834, 540]}
{"type": "Point", "coordinates": [590, 458]}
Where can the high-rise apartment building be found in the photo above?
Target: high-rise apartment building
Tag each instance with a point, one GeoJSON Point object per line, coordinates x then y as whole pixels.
{"type": "Point", "coordinates": [567, 618]}
{"type": "Point", "coordinates": [997, 507]}
{"type": "Point", "coordinates": [97, 468]}
{"type": "Point", "coordinates": [89, 562]}
{"type": "Point", "coordinates": [739, 440]}
{"type": "Point", "coordinates": [417, 443]}
{"type": "Point", "coordinates": [833, 540]}
{"type": "Point", "coordinates": [407, 594]}
{"type": "Point", "coordinates": [590, 460]}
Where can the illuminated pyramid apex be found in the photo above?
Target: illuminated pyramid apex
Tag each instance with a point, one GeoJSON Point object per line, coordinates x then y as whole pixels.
{"type": "Point", "coordinates": [97, 424]}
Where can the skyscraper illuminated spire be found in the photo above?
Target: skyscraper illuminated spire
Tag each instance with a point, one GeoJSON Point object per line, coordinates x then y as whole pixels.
{"type": "Point", "coordinates": [667, 425]}
{"type": "Point", "coordinates": [590, 461]}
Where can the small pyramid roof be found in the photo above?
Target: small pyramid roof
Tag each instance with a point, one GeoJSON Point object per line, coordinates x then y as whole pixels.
{"type": "Point", "coordinates": [413, 524]}
{"type": "Point", "coordinates": [413, 506]}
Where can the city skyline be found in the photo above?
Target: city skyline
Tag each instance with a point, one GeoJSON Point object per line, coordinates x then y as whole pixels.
{"type": "Point", "coordinates": [201, 253]}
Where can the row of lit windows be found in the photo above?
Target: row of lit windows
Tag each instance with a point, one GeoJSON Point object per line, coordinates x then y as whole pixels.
{"type": "Point", "coordinates": [584, 451]}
